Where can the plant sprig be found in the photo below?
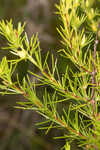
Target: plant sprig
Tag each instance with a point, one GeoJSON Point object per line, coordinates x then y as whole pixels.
{"type": "Point", "coordinates": [78, 90]}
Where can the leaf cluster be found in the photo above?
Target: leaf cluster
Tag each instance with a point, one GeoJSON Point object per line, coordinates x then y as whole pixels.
{"type": "Point", "coordinates": [79, 91]}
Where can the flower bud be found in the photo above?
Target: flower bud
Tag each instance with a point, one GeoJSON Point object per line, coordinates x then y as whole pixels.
{"type": "Point", "coordinates": [22, 54]}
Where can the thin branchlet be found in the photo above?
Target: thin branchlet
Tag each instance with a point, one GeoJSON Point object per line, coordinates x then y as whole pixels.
{"type": "Point", "coordinates": [94, 72]}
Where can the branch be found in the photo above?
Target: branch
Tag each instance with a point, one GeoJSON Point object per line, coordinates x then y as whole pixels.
{"type": "Point", "coordinates": [94, 71]}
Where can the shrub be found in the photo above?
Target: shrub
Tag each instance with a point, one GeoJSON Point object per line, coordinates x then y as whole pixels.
{"type": "Point", "coordinates": [77, 88]}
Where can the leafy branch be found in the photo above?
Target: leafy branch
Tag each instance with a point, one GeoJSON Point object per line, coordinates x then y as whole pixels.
{"type": "Point", "coordinates": [77, 89]}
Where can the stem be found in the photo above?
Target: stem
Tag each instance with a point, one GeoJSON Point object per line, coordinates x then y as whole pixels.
{"type": "Point", "coordinates": [93, 75]}
{"type": "Point", "coordinates": [94, 71]}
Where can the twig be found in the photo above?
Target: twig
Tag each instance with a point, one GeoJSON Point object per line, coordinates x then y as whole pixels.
{"type": "Point", "coordinates": [94, 71]}
{"type": "Point", "coordinates": [93, 75]}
